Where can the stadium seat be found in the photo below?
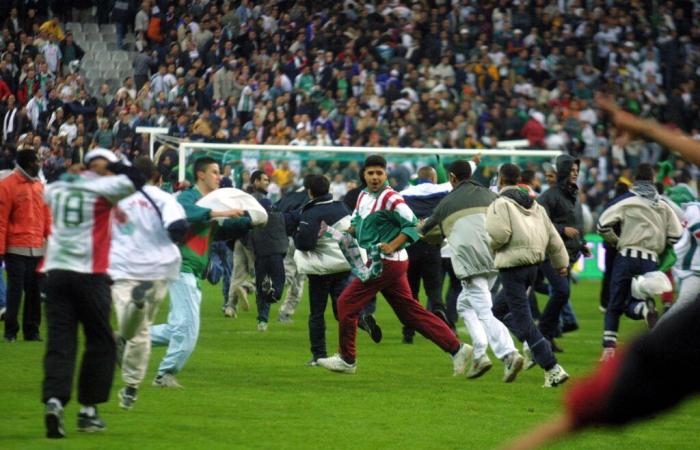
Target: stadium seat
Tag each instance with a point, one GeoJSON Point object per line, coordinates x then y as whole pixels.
{"type": "Point", "coordinates": [91, 28]}
{"type": "Point", "coordinates": [109, 37]}
{"type": "Point", "coordinates": [120, 56]}
{"type": "Point", "coordinates": [96, 47]}
{"type": "Point", "coordinates": [74, 26]}
{"type": "Point", "coordinates": [94, 37]}
{"type": "Point", "coordinates": [108, 28]}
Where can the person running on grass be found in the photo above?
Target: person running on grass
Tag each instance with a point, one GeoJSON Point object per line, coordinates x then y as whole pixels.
{"type": "Point", "coordinates": [77, 259]}
{"type": "Point", "coordinates": [182, 329]}
{"type": "Point", "coordinates": [144, 257]}
{"type": "Point", "coordinates": [382, 220]}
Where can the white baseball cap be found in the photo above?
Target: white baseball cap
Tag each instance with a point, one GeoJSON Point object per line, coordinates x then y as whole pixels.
{"type": "Point", "coordinates": [101, 153]}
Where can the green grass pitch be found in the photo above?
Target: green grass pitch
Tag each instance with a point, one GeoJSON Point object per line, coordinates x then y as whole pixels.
{"type": "Point", "coordinates": [246, 389]}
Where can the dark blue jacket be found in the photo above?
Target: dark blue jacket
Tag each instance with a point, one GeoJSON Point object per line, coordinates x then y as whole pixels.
{"type": "Point", "coordinates": [319, 209]}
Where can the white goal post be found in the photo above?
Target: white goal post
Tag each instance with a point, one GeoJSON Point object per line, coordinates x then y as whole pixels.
{"type": "Point", "coordinates": [185, 147]}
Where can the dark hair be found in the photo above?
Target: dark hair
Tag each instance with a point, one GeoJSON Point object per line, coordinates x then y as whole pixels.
{"type": "Point", "coordinates": [660, 187]}
{"type": "Point", "coordinates": [307, 180]}
{"type": "Point", "coordinates": [461, 169]}
{"type": "Point", "coordinates": [319, 185]}
{"type": "Point", "coordinates": [202, 163]}
{"type": "Point", "coordinates": [144, 165]}
{"type": "Point", "coordinates": [510, 174]}
{"type": "Point", "coordinates": [683, 176]}
{"type": "Point", "coordinates": [527, 176]}
{"type": "Point", "coordinates": [255, 176]}
{"type": "Point", "coordinates": [645, 172]}
{"type": "Point", "coordinates": [375, 160]}
{"type": "Point", "coordinates": [25, 157]}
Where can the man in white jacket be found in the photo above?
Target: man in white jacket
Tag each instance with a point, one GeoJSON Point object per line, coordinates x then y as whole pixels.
{"type": "Point", "coordinates": [143, 259]}
{"type": "Point", "coordinates": [522, 236]}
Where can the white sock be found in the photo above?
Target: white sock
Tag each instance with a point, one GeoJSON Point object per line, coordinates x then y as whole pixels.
{"type": "Point", "coordinates": [88, 410]}
{"type": "Point", "coordinates": [55, 401]}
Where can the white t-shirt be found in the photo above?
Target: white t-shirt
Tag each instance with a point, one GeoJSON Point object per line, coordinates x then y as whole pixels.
{"type": "Point", "coordinates": [141, 247]}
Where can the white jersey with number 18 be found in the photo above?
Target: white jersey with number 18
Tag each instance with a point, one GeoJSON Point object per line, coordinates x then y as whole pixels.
{"type": "Point", "coordinates": [81, 233]}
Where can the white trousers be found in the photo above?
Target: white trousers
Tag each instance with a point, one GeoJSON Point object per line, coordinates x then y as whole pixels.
{"type": "Point", "coordinates": [474, 306]}
{"type": "Point", "coordinates": [134, 317]}
{"type": "Point", "coordinates": [294, 280]}
{"type": "Point", "coordinates": [688, 289]}
{"type": "Point", "coordinates": [243, 267]}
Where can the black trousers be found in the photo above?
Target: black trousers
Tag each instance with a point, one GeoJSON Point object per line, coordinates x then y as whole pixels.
{"type": "Point", "coordinates": [320, 287]}
{"type": "Point", "coordinates": [512, 307]}
{"type": "Point", "coordinates": [425, 262]}
{"type": "Point", "coordinates": [75, 298]}
{"type": "Point", "coordinates": [22, 277]}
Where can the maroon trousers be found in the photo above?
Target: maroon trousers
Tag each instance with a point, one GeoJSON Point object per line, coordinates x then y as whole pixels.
{"type": "Point", "coordinates": [393, 284]}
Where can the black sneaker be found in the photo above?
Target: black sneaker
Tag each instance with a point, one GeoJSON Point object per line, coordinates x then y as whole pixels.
{"type": "Point", "coordinates": [127, 397]}
{"type": "Point", "coordinates": [53, 419]}
{"type": "Point", "coordinates": [407, 339]}
{"type": "Point", "coordinates": [369, 324]}
{"type": "Point", "coordinates": [34, 338]}
{"type": "Point", "coordinates": [651, 316]}
{"type": "Point", "coordinates": [10, 339]}
{"type": "Point", "coordinates": [90, 424]}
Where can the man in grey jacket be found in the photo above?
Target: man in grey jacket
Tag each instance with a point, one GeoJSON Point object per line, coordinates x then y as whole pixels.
{"type": "Point", "coordinates": [521, 237]}
{"type": "Point", "coordinates": [460, 217]}
{"type": "Point", "coordinates": [647, 227]}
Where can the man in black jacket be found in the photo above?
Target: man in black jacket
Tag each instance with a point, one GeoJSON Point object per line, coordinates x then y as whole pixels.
{"type": "Point", "coordinates": [564, 209]}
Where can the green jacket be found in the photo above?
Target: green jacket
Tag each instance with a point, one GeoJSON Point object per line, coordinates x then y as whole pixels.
{"type": "Point", "coordinates": [195, 250]}
{"type": "Point", "coordinates": [381, 217]}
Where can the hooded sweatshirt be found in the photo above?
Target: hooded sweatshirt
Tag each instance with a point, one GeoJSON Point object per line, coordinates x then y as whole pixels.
{"type": "Point", "coordinates": [563, 206]}
{"type": "Point", "coordinates": [521, 232]}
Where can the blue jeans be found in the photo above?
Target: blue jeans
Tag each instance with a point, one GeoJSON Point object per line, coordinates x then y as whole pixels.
{"type": "Point", "coordinates": [621, 300]}
{"type": "Point", "coordinates": [182, 330]}
{"type": "Point", "coordinates": [511, 306]}
{"type": "Point", "coordinates": [220, 265]}
{"type": "Point", "coordinates": [268, 266]}
{"type": "Point", "coordinates": [559, 292]}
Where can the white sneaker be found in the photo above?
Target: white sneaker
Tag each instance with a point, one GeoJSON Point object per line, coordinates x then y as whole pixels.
{"type": "Point", "coordinates": [479, 366]}
{"type": "Point", "coordinates": [529, 360]}
{"type": "Point", "coordinates": [230, 311]}
{"type": "Point", "coordinates": [166, 380]}
{"type": "Point", "coordinates": [555, 376]}
{"type": "Point", "coordinates": [336, 364]}
{"type": "Point", "coordinates": [460, 359]}
{"type": "Point", "coordinates": [513, 365]}
{"type": "Point", "coordinates": [262, 326]}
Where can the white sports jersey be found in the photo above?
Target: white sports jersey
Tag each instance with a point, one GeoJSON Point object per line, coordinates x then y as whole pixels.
{"type": "Point", "coordinates": [141, 247]}
{"type": "Point", "coordinates": [81, 207]}
{"type": "Point", "coordinates": [688, 248]}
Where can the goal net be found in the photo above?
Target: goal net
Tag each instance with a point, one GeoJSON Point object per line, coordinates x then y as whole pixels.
{"type": "Point", "coordinates": [333, 159]}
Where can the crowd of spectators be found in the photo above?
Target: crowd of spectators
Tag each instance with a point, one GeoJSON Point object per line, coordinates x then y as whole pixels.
{"type": "Point", "coordinates": [425, 74]}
